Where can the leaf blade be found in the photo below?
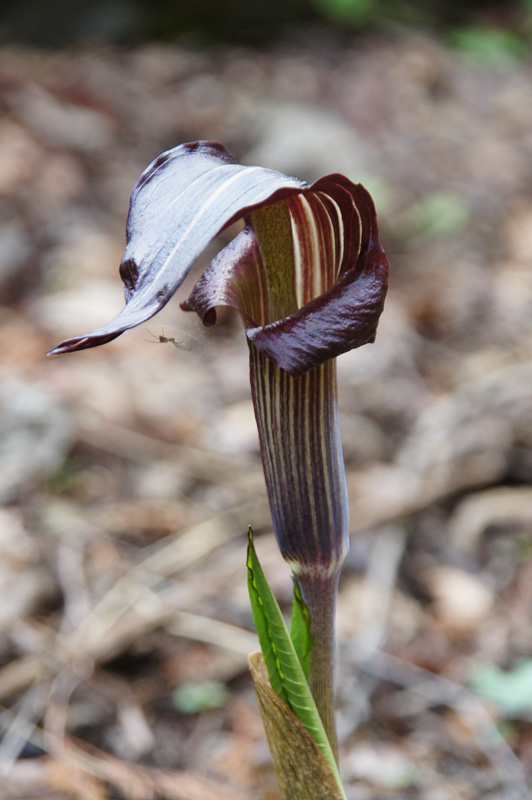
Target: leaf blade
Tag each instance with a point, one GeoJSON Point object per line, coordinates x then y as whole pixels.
{"type": "Point", "coordinates": [287, 670]}
{"type": "Point", "coordinates": [300, 630]}
{"type": "Point", "coordinates": [260, 604]}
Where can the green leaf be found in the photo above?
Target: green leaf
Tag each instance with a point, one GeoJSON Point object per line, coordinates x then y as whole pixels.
{"type": "Point", "coordinates": [300, 630]}
{"type": "Point", "coordinates": [285, 672]}
{"type": "Point", "coordinates": [263, 607]}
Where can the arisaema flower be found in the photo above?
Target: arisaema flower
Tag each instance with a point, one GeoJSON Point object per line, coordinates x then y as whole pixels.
{"type": "Point", "coordinates": [309, 277]}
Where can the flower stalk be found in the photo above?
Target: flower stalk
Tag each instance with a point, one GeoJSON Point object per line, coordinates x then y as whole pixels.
{"type": "Point", "coordinates": [320, 593]}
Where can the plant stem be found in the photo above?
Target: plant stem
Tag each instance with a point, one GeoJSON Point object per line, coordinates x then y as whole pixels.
{"type": "Point", "coordinates": [319, 592]}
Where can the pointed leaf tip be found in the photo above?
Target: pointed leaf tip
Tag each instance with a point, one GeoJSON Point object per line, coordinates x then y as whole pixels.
{"type": "Point", "coordinates": [78, 343]}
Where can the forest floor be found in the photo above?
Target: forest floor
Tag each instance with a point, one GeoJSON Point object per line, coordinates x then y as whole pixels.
{"type": "Point", "coordinates": [129, 474]}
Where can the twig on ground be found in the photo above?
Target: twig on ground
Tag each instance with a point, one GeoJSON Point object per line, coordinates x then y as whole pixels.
{"type": "Point", "coordinates": [19, 728]}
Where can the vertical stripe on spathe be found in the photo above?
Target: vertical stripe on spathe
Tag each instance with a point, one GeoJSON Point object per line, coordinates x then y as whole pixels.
{"type": "Point", "coordinates": [301, 451]}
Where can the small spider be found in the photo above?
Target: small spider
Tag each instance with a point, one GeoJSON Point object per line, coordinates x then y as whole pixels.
{"type": "Point", "coordinates": [162, 339]}
{"type": "Point", "coordinates": [168, 340]}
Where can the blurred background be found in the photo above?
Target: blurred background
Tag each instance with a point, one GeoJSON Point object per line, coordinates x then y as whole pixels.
{"type": "Point", "coordinates": [129, 474]}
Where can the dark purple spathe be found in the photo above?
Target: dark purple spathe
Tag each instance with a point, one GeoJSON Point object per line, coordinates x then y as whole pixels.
{"type": "Point", "coordinates": [186, 197]}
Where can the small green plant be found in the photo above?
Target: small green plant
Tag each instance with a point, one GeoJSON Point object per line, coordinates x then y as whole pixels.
{"type": "Point", "coordinates": [308, 277]}
{"type": "Point", "coordinates": [192, 698]}
{"type": "Point", "coordinates": [488, 44]}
